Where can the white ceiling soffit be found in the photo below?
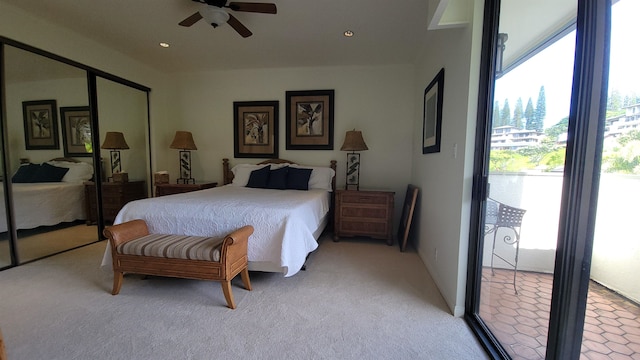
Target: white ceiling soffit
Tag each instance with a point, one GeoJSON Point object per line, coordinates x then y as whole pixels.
{"type": "Point", "coordinates": [444, 14]}
{"type": "Point", "coordinates": [529, 23]}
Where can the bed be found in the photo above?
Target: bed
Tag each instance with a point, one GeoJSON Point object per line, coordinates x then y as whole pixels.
{"type": "Point", "coordinates": [47, 202]}
{"type": "Point", "coordinates": [287, 222]}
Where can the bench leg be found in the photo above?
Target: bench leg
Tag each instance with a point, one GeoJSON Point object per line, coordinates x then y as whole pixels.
{"type": "Point", "coordinates": [245, 279]}
{"type": "Point", "coordinates": [228, 295]}
{"type": "Point", "coordinates": [117, 282]}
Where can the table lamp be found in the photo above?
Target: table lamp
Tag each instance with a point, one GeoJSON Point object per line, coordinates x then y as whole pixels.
{"type": "Point", "coordinates": [353, 142]}
{"type": "Point", "coordinates": [183, 140]}
{"type": "Point", "coordinates": [115, 142]}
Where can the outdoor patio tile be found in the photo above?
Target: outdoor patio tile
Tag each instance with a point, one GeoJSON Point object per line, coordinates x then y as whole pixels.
{"type": "Point", "coordinates": [615, 338]}
{"type": "Point", "coordinates": [619, 348]}
{"type": "Point", "coordinates": [614, 330]}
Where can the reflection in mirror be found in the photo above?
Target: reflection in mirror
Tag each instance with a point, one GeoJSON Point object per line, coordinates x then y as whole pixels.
{"type": "Point", "coordinates": [47, 180]}
{"type": "Point", "coordinates": [123, 123]}
{"type": "Point", "coordinates": [5, 250]}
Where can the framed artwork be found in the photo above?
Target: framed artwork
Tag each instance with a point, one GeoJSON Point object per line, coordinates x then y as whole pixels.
{"type": "Point", "coordinates": [255, 127]}
{"type": "Point", "coordinates": [408, 209]}
{"type": "Point", "coordinates": [432, 117]}
{"type": "Point", "coordinates": [310, 120]}
{"type": "Point", "coordinates": [76, 131]}
{"type": "Point", "coordinates": [40, 125]}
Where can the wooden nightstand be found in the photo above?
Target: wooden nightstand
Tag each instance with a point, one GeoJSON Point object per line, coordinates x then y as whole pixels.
{"type": "Point", "coordinates": [364, 213]}
{"type": "Point", "coordinates": [114, 197]}
{"type": "Point", "coordinates": [169, 189]}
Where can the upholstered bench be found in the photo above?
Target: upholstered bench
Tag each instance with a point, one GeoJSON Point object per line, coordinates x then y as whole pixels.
{"type": "Point", "coordinates": [134, 250]}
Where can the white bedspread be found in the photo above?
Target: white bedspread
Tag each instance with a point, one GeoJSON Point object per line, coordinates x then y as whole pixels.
{"type": "Point", "coordinates": [284, 221]}
{"type": "Point", "coordinates": [39, 204]}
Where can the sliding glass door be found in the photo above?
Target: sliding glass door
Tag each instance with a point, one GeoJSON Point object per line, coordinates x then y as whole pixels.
{"type": "Point", "coordinates": [536, 180]}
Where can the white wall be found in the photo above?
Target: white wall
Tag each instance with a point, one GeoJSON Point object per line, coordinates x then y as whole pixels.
{"type": "Point", "coordinates": [445, 178]}
{"type": "Point", "coordinates": [376, 100]}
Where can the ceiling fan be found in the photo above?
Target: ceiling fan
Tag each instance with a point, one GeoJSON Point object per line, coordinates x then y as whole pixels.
{"type": "Point", "coordinates": [216, 15]}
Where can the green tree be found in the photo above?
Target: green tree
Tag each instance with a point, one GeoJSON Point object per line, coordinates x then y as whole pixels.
{"type": "Point", "coordinates": [540, 111]}
{"type": "Point", "coordinates": [614, 101]}
{"type": "Point", "coordinates": [529, 115]}
{"type": "Point", "coordinates": [518, 115]}
{"type": "Point", "coordinates": [505, 114]}
{"type": "Point", "coordinates": [496, 115]}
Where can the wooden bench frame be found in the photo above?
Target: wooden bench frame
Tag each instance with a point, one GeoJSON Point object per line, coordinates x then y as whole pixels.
{"type": "Point", "coordinates": [233, 259]}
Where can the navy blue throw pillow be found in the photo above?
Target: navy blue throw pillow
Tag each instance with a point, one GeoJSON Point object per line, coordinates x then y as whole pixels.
{"type": "Point", "coordinates": [259, 178]}
{"type": "Point", "coordinates": [49, 173]}
{"type": "Point", "coordinates": [278, 178]}
{"type": "Point", "coordinates": [25, 173]}
{"type": "Point", "coordinates": [298, 179]}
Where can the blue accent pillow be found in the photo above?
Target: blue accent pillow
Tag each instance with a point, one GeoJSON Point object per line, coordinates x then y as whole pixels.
{"type": "Point", "coordinates": [259, 178]}
{"type": "Point", "coordinates": [298, 179]}
{"type": "Point", "coordinates": [49, 173]}
{"type": "Point", "coordinates": [278, 178]}
{"type": "Point", "coordinates": [25, 173]}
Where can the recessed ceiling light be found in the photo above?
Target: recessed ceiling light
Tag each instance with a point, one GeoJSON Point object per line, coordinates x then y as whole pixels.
{"type": "Point", "coordinates": [164, 44]}
{"type": "Point", "coordinates": [348, 33]}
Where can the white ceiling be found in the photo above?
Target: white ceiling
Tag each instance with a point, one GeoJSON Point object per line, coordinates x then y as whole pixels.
{"type": "Point", "coordinates": [302, 33]}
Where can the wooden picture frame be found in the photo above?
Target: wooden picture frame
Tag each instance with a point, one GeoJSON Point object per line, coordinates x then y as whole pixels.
{"type": "Point", "coordinates": [76, 131]}
{"type": "Point", "coordinates": [255, 127]}
{"type": "Point", "coordinates": [40, 125]}
{"type": "Point", "coordinates": [310, 120]}
{"type": "Point", "coordinates": [406, 219]}
{"type": "Point", "coordinates": [432, 116]}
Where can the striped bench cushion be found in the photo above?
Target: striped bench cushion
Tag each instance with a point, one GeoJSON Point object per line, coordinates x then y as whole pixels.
{"type": "Point", "coordinates": [174, 247]}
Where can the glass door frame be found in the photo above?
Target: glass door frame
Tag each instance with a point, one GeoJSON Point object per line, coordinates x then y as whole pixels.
{"type": "Point", "coordinates": [580, 184]}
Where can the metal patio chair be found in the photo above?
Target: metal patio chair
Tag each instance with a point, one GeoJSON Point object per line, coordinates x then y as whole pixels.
{"type": "Point", "coordinates": [499, 215]}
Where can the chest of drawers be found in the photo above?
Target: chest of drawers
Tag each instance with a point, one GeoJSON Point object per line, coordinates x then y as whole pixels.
{"type": "Point", "coordinates": [364, 213]}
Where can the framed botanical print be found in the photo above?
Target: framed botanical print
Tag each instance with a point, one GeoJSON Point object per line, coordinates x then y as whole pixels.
{"type": "Point", "coordinates": [432, 116]}
{"type": "Point", "coordinates": [255, 125]}
{"type": "Point", "coordinates": [40, 125]}
{"type": "Point", "coordinates": [76, 131]}
{"type": "Point", "coordinates": [310, 120]}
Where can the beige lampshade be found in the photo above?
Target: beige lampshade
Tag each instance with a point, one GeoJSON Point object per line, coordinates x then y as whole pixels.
{"type": "Point", "coordinates": [353, 141]}
{"type": "Point", "coordinates": [114, 140]}
{"type": "Point", "coordinates": [183, 140]}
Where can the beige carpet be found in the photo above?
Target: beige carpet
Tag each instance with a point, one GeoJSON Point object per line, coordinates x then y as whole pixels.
{"type": "Point", "coordinates": [357, 300]}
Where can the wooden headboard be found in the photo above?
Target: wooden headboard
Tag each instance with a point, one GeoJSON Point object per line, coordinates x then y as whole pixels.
{"type": "Point", "coordinates": [227, 175]}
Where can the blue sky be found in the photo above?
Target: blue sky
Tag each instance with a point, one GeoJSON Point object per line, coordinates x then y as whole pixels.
{"type": "Point", "coordinates": [553, 67]}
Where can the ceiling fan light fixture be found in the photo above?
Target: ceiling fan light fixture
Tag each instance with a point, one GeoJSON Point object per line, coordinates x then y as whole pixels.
{"type": "Point", "coordinates": [214, 16]}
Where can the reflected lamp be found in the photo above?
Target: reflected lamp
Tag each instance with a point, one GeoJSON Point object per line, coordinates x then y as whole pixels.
{"type": "Point", "coordinates": [115, 142]}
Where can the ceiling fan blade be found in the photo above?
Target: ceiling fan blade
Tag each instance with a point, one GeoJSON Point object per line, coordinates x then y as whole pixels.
{"type": "Point", "coordinates": [191, 19]}
{"type": "Point", "coordinates": [237, 25]}
{"type": "Point", "coordinates": [264, 8]}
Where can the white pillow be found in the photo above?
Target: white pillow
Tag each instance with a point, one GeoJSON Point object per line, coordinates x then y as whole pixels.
{"type": "Point", "coordinates": [321, 177]}
{"type": "Point", "coordinates": [78, 172]}
{"type": "Point", "coordinates": [242, 172]}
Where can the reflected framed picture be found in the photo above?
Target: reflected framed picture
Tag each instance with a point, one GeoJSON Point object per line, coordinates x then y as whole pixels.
{"type": "Point", "coordinates": [40, 125]}
{"type": "Point", "coordinates": [310, 120]}
{"type": "Point", "coordinates": [255, 127]}
{"type": "Point", "coordinates": [76, 131]}
{"type": "Point", "coordinates": [432, 116]}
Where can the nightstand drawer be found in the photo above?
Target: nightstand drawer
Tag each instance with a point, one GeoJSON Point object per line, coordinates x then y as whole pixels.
{"type": "Point", "coordinates": [369, 199]}
{"type": "Point", "coordinates": [348, 210]}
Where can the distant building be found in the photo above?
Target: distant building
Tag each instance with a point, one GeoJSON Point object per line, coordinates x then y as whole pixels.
{"type": "Point", "coordinates": [618, 125]}
{"type": "Point", "coordinates": [512, 138]}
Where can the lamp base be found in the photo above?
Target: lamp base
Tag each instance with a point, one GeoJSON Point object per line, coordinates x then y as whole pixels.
{"type": "Point", "coordinates": [186, 181]}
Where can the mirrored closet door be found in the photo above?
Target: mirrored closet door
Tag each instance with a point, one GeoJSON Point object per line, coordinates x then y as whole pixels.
{"type": "Point", "coordinates": [48, 140]}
